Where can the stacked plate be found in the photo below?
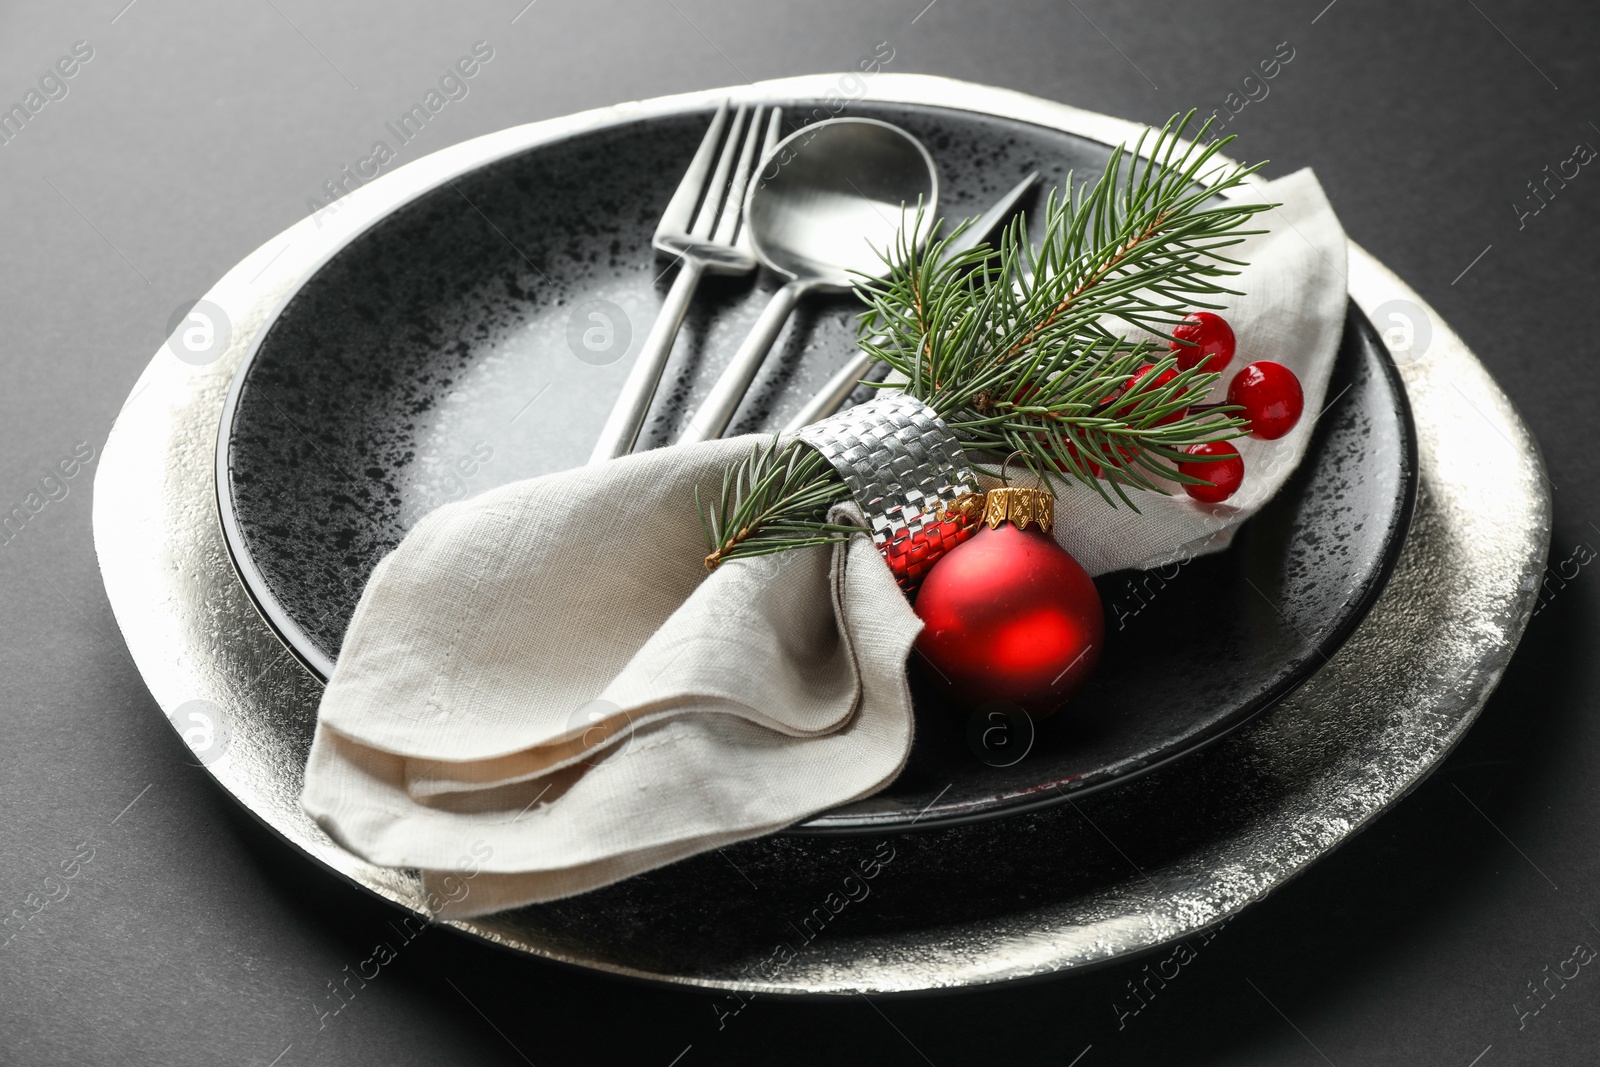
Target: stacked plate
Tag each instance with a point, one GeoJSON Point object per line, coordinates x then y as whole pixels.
{"type": "Point", "coordinates": [424, 342]}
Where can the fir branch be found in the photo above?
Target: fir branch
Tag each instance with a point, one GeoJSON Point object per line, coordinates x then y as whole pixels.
{"type": "Point", "coordinates": [778, 498]}
{"type": "Point", "coordinates": [1017, 346]}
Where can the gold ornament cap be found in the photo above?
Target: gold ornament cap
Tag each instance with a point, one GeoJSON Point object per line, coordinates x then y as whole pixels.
{"type": "Point", "coordinates": [1007, 503]}
{"type": "Point", "coordinates": [1019, 507]}
{"type": "Point", "coordinates": [1016, 505]}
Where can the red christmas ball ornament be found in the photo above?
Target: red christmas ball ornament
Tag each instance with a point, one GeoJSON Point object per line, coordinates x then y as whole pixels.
{"type": "Point", "coordinates": [1225, 475]}
{"type": "Point", "coordinates": [1009, 615]}
{"type": "Point", "coordinates": [1210, 341]}
{"type": "Point", "coordinates": [1271, 397]}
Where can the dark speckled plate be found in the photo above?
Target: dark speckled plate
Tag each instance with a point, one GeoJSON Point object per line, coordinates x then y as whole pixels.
{"type": "Point", "coordinates": [430, 359]}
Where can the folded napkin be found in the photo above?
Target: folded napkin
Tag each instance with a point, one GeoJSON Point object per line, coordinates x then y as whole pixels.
{"type": "Point", "coordinates": [542, 691]}
{"type": "Point", "coordinates": [1292, 312]}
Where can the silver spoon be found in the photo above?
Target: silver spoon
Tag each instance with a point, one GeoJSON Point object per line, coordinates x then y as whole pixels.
{"type": "Point", "coordinates": [831, 397]}
{"type": "Point", "coordinates": [830, 196]}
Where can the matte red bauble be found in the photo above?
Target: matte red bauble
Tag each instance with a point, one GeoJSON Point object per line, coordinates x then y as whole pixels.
{"type": "Point", "coordinates": [1009, 616]}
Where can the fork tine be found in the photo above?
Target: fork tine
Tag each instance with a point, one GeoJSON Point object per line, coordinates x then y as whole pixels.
{"type": "Point", "coordinates": [733, 206]}
{"type": "Point", "coordinates": [680, 209]}
{"type": "Point", "coordinates": [774, 127]}
{"type": "Point", "coordinates": [773, 130]}
{"type": "Point", "coordinates": [719, 180]}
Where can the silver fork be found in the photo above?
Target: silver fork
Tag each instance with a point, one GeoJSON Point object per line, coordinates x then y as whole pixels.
{"type": "Point", "coordinates": [708, 240]}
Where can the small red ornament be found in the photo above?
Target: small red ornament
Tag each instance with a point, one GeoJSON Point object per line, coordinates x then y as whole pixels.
{"type": "Point", "coordinates": [1225, 475]}
{"type": "Point", "coordinates": [1009, 615]}
{"type": "Point", "coordinates": [1210, 340]}
{"type": "Point", "coordinates": [1271, 397]}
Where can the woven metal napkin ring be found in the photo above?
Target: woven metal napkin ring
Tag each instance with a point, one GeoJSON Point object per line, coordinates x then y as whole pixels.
{"type": "Point", "coordinates": [903, 466]}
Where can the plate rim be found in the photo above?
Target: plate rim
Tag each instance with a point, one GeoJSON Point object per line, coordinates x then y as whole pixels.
{"type": "Point", "coordinates": [149, 525]}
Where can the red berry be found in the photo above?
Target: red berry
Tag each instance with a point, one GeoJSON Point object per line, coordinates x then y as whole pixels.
{"type": "Point", "coordinates": [1271, 397]}
{"type": "Point", "coordinates": [1102, 449]}
{"type": "Point", "coordinates": [1225, 474]}
{"type": "Point", "coordinates": [1210, 339]}
{"type": "Point", "coordinates": [1137, 385]}
{"type": "Point", "coordinates": [1072, 450]}
{"type": "Point", "coordinates": [1095, 471]}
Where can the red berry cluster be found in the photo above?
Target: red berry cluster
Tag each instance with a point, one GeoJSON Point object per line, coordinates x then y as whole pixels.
{"type": "Point", "coordinates": [1268, 392]}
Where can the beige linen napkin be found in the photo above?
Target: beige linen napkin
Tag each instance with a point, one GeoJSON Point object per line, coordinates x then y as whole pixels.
{"type": "Point", "coordinates": [542, 691]}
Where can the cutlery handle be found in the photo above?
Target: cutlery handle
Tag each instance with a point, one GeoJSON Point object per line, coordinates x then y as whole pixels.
{"type": "Point", "coordinates": [720, 404]}
{"type": "Point", "coordinates": [831, 397]}
{"type": "Point", "coordinates": [621, 430]}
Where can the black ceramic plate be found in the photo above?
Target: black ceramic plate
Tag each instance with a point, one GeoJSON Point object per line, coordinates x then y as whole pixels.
{"type": "Point", "coordinates": [441, 354]}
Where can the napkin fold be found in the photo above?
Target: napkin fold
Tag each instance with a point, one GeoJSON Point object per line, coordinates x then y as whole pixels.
{"type": "Point", "coordinates": [542, 691]}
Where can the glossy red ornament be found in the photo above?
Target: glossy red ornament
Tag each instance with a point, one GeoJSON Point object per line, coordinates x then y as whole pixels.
{"type": "Point", "coordinates": [1010, 616]}
{"type": "Point", "coordinates": [1225, 475]}
{"type": "Point", "coordinates": [1210, 340]}
{"type": "Point", "coordinates": [1271, 397]}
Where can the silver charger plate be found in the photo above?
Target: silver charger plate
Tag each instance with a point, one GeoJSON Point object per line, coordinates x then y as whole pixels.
{"type": "Point", "coordinates": [1039, 893]}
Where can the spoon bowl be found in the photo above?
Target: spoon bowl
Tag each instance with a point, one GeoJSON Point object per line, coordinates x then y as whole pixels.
{"type": "Point", "coordinates": [830, 198]}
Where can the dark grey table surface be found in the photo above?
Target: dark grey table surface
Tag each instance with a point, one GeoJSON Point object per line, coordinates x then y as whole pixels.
{"type": "Point", "coordinates": [196, 131]}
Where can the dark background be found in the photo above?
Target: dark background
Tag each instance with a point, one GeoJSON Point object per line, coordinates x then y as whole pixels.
{"type": "Point", "coordinates": [198, 131]}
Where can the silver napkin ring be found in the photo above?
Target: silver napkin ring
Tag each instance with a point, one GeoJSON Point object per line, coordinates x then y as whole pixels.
{"type": "Point", "coordinates": [903, 466]}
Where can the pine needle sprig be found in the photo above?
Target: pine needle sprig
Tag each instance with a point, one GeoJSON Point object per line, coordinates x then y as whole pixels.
{"type": "Point", "coordinates": [774, 500]}
{"type": "Point", "coordinates": [1019, 346]}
